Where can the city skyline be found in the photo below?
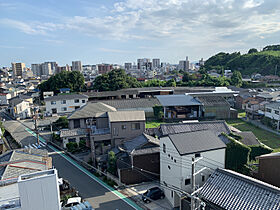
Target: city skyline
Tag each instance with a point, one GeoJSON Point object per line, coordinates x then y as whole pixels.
{"type": "Point", "coordinates": [122, 31]}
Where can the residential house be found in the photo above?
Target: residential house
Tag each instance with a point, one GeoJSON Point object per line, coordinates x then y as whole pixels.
{"type": "Point", "coordinates": [226, 189]}
{"type": "Point", "coordinates": [73, 135]}
{"type": "Point", "coordinates": [138, 159]}
{"type": "Point", "coordinates": [268, 169]}
{"type": "Point", "coordinates": [180, 106]}
{"type": "Point", "coordinates": [272, 111]}
{"type": "Point", "coordinates": [48, 94]}
{"type": "Point", "coordinates": [240, 98]}
{"type": "Point", "coordinates": [62, 104]}
{"type": "Point", "coordinates": [19, 108]}
{"type": "Point", "coordinates": [252, 107]}
{"type": "Point", "coordinates": [4, 98]}
{"type": "Point", "coordinates": [215, 107]}
{"type": "Point", "coordinates": [177, 151]}
{"type": "Point", "coordinates": [265, 96]}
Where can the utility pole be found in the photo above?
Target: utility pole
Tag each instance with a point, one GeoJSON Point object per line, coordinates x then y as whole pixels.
{"type": "Point", "coordinates": [194, 173]}
{"type": "Point", "coordinates": [35, 116]}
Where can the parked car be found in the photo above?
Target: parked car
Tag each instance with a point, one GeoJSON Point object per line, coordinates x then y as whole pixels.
{"type": "Point", "coordinates": [154, 193]}
{"type": "Point", "coordinates": [72, 202]}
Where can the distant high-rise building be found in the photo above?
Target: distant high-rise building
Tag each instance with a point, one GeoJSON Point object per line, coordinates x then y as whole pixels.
{"type": "Point", "coordinates": [184, 64]}
{"type": "Point", "coordinates": [156, 63]}
{"type": "Point", "coordinates": [104, 68]}
{"type": "Point", "coordinates": [36, 69]}
{"type": "Point", "coordinates": [142, 63]}
{"type": "Point", "coordinates": [127, 66]}
{"type": "Point", "coordinates": [201, 62]}
{"type": "Point", "coordinates": [18, 69]}
{"type": "Point", "coordinates": [77, 66]}
{"type": "Point", "coordinates": [46, 69]}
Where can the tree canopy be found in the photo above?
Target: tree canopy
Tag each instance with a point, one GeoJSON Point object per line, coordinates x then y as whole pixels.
{"type": "Point", "coordinates": [236, 79]}
{"type": "Point", "coordinates": [66, 79]}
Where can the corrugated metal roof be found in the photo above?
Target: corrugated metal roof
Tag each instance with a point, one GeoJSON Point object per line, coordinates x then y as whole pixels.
{"type": "Point", "coordinates": [91, 110]}
{"type": "Point", "coordinates": [132, 103]}
{"type": "Point", "coordinates": [121, 116]}
{"type": "Point", "coordinates": [218, 127]}
{"type": "Point", "coordinates": [233, 191]}
{"type": "Point", "coordinates": [177, 100]}
{"type": "Point", "coordinates": [198, 141]}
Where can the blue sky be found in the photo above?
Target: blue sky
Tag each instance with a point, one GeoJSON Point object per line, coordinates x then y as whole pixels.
{"type": "Point", "coordinates": [96, 31]}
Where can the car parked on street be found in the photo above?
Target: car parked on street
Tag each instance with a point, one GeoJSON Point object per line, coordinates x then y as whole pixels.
{"type": "Point", "coordinates": [154, 193]}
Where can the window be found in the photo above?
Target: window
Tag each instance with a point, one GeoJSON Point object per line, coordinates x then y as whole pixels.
{"type": "Point", "coordinates": [83, 101]}
{"type": "Point", "coordinates": [77, 123]}
{"type": "Point", "coordinates": [76, 100]}
{"type": "Point", "coordinates": [202, 178]}
{"type": "Point", "coordinates": [164, 148]}
{"type": "Point", "coordinates": [123, 127]}
{"type": "Point", "coordinates": [268, 110]}
{"type": "Point", "coordinates": [169, 167]}
{"type": "Point", "coordinates": [135, 126]}
{"type": "Point", "coordinates": [63, 102]}
{"type": "Point", "coordinates": [53, 102]}
{"type": "Point", "coordinates": [249, 106]}
{"type": "Point", "coordinates": [276, 112]}
{"type": "Point", "coordinates": [187, 181]}
{"type": "Point", "coordinates": [197, 155]}
{"type": "Point", "coordinates": [63, 109]}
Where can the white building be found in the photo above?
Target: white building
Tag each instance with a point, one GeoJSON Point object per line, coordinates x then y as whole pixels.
{"type": "Point", "coordinates": [272, 111]}
{"type": "Point", "coordinates": [176, 153]}
{"type": "Point", "coordinates": [33, 191]}
{"type": "Point", "coordinates": [46, 69]}
{"type": "Point", "coordinates": [36, 69]}
{"type": "Point", "coordinates": [19, 108]}
{"type": "Point", "coordinates": [65, 103]}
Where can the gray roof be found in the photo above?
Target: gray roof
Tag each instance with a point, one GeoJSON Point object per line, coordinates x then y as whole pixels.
{"type": "Point", "coordinates": [248, 138]}
{"type": "Point", "coordinates": [15, 101]}
{"type": "Point", "coordinates": [274, 105]}
{"type": "Point", "coordinates": [126, 116]}
{"type": "Point", "coordinates": [213, 100]}
{"type": "Point", "coordinates": [66, 97]}
{"type": "Point", "coordinates": [91, 110]}
{"type": "Point", "coordinates": [132, 103]}
{"type": "Point", "coordinates": [177, 100]}
{"type": "Point", "coordinates": [218, 127]}
{"type": "Point", "coordinates": [265, 95]}
{"type": "Point", "coordinates": [22, 161]}
{"type": "Point", "coordinates": [73, 132]}
{"type": "Point", "coordinates": [194, 142]}
{"type": "Point", "coordinates": [233, 191]}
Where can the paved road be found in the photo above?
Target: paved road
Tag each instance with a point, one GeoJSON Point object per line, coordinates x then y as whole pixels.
{"type": "Point", "coordinates": [100, 195]}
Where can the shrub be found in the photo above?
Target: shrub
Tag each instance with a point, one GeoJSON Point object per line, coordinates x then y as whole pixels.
{"type": "Point", "coordinates": [158, 111]}
{"type": "Point", "coordinates": [237, 154]}
{"type": "Point", "coordinates": [72, 146]}
{"type": "Point", "coordinates": [82, 143]}
{"type": "Point", "coordinates": [257, 150]}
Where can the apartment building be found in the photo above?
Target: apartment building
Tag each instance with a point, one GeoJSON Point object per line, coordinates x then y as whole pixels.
{"type": "Point", "coordinates": [18, 69]}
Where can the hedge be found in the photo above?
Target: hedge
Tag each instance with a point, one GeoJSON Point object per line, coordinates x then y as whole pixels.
{"type": "Point", "coordinates": [257, 150]}
{"type": "Point", "coordinates": [237, 154]}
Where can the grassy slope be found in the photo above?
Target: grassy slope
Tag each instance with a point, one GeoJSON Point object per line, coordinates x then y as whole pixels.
{"type": "Point", "coordinates": [270, 139]}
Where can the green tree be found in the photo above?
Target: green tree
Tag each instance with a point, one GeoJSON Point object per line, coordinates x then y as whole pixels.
{"type": "Point", "coordinates": [186, 77]}
{"type": "Point", "coordinates": [73, 80]}
{"type": "Point", "coordinates": [236, 79]}
{"type": "Point", "coordinates": [61, 123]}
{"type": "Point", "coordinates": [112, 162]}
{"type": "Point", "coordinates": [252, 50]}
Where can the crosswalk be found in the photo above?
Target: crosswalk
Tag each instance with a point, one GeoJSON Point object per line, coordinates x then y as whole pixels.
{"type": "Point", "coordinates": [36, 145]}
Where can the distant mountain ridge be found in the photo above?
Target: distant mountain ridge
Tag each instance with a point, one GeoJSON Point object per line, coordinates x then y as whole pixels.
{"type": "Point", "coordinates": [264, 62]}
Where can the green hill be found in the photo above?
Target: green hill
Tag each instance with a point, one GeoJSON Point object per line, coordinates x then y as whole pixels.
{"type": "Point", "coordinates": [264, 62]}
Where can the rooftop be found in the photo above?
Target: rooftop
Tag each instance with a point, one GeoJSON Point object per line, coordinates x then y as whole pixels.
{"type": "Point", "coordinates": [213, 100]}
{"type": "Point", "coordinates": [248, 138]}
{"type": "Point", "coordinates": [126, 116]}
{"type": "Point", "coordinates": [91, 110]}
{"type": "Point", "coordinates": [66, 97]}
{"type": "Point", "coordinates": [274, 105]}
{"type": "Point", "coordinates": [132, 103]}
{"type": "Point", "coordinates": [217, 127]}
{"type": "Point", "coordinates": [177, 100]}
{"type": "Point", "coordinates": [194, 142]}
{"type": "Point", "coordinates": [244, 192]}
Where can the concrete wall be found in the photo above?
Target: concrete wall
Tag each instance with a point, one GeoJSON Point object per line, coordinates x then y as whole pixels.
{"type": "Point", "coordinates": [70, 105]}
{"type": "Point", "coordinates": [269, 170]}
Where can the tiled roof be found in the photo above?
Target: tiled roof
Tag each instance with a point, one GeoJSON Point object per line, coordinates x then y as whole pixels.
{"type": "Point", "coordinates": [73, 132]}
{"type": "Point", "coordinates": [15, 101]}
{"type": "Point", "coordinates": [66, 97]}
{"type": "Point", "coordinates": [198, 141]}
{"type": "Point", "coordinates": [124, 116]}
{"type": "Point", "coordinates": [132, 103]}
{"type": "Point", "coordinates": [213, 100]}
{"type": "Point", "coordinates": [177, 100]}
{"type": "Point", "coordinates": [91, 110]}
{"type": "Point", "coordinates": [274, 105]}
{"type": "Point", "coordinates": [218, 127]}
{"type": "Point", "coordinates": [227, 189]}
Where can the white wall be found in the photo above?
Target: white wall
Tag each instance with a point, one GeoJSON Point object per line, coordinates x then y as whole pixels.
{"type": "Point", "coordinates": [40, 193]}
{"type": "Point", "coordinates": [70, 105]}
{"type": "Point", "coordinates": [181, 169]}
{"type": "Point", "coordinates": [272, 114]}
{"type": "Point", "coordinates": [4, 99]}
